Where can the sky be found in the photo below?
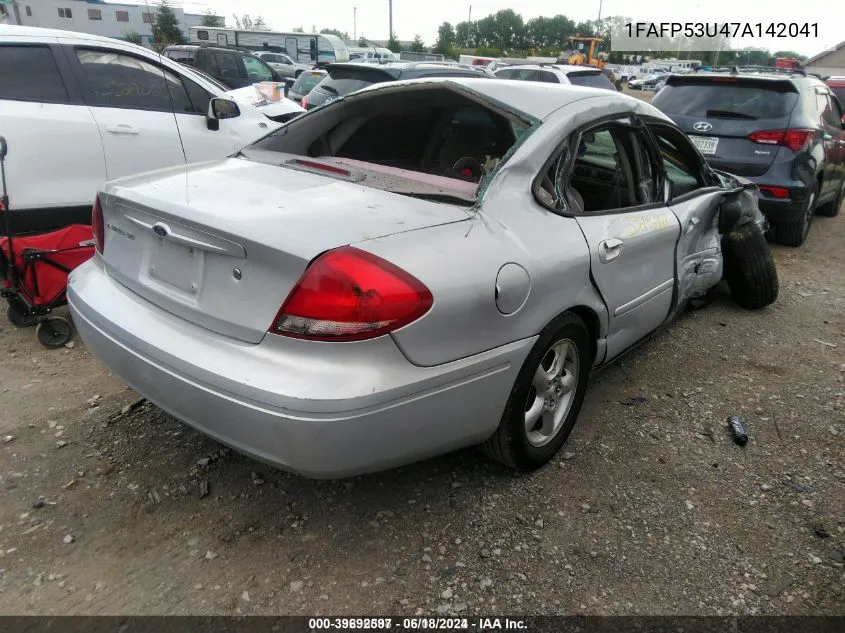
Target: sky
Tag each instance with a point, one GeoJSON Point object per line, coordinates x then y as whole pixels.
{"type": "Point", "coordinates": [424, 16]}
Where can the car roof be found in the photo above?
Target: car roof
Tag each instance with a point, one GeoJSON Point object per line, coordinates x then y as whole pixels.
{"type": "Point", "coordinates": [565, 68]}
{"type": "Point", "coordinates": [762, 76]}
{"type": "Point", "coordinates": [534, 98]}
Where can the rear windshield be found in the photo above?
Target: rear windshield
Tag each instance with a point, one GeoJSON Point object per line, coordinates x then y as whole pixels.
{"type": "Point", "coordinates": [307, 81]}
{"type": "Point", "coordinates": [345, 80]}
{"type": "Point", "coordinates": [591, 80]}
{"type": "Point", "coordinates": [180, 56]}
{"type": "Point", "coordinates": [746, 100]}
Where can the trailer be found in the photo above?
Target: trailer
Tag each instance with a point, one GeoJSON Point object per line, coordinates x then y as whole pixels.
{"type": "Point", "coordinates": [625, 72]}
{"type": "Point", "coordinates": [305, 48]}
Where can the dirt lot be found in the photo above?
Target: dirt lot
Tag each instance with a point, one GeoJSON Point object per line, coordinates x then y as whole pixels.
{"type": "Point", "coordinates": [651, 508]}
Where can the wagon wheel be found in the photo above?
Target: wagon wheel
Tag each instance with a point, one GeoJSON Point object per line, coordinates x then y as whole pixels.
{"type": "Point", "coordinates": [19, 317]}
{"type": "Point", "coordinates": [54, 332]}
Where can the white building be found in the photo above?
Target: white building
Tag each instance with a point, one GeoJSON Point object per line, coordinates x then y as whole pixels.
{"type": "Point", "coordinates": [97, 17]}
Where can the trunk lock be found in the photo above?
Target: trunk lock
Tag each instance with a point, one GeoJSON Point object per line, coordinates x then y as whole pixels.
{"type": "Point", "coordinates": [236, 273]}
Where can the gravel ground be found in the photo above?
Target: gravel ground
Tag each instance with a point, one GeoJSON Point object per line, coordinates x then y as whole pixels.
{"type": "Point", "coordinates": [108, 506]}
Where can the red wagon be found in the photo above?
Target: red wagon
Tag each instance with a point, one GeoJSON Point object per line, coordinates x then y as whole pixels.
{"type": "Point", "coordinates": [35, 270]}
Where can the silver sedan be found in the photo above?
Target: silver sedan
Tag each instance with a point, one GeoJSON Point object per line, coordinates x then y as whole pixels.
{"type": "Point", "coordinates": [415, 268]}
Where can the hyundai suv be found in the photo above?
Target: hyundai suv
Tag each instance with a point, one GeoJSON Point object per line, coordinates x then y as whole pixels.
{"type": "Point", "coordinates": [346, 78]}
{"type": "Point", "coordinates": [782, 131]}
{"type": "Point", "coordinates": [557, 74]}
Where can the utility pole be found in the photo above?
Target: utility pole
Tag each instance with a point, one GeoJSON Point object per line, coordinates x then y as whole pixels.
{"type": "Point", "coordinates": [390, 6]}
{"type": "Point", "coordinates": [598, 22]}
{"type": "Point", "coordinates": [469, 19]}
{"type": "Point", "coordinates": [355, 23]}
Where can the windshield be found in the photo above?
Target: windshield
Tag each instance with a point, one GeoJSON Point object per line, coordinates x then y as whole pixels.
{"type": "Point", "coordinates": [749, 100]}
{"type": "Point", "coordinates": [307, 81]}
{"type": "Point", "coordinates": [840, 94]}
{"type": "Point", "coordinates": [591, 80]}
{"type": "Point", "coordinates": [341, 87]}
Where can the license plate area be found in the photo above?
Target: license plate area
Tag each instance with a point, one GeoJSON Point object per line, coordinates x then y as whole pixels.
{"type": "Point", "coordinates": [706, 144]}
{"type": "Point", "coordinates": [176, 266]}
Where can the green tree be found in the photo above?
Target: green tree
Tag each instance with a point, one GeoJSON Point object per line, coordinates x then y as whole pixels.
{"type": "Point", "coordinates": [393, 45]}
{"type": "Point", "coordinates": [298, 29]}
{"type": "Point", "coordinates": [362, 41]}
{"type": "Point", "coordinates": [260, 25]}
{"type": "Point", "coordinates": [165, 25]}
{"type": "Point", "coordinates": [466, 34]}
{"type": "Point", "coordinates": [210, 19]}
{"type": "Point", "coordinates": [341, 34]}
{"type": "Point", "coordinates": [445, 39]}
{"type": "Point", "coordinates": [132, 37]}
{"type": "Point", "coordinates": [418, 46]}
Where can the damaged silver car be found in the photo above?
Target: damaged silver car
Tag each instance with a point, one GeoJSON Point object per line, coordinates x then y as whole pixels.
{"type": "Point", "coordinates": [415, 268]}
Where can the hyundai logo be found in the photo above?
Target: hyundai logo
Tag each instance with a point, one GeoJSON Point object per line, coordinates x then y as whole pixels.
{"type": "Point", "coordinates": [160, 230]}
{"type": "Point", "coordinates": [702, 126]}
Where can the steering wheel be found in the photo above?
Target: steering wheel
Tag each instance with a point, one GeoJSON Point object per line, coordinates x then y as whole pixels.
{"type": "Point", "coordinates": [468, 168]}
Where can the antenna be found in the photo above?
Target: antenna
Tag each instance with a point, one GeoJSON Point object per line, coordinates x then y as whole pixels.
{"type": "Point", "coordinates": [164, 78]}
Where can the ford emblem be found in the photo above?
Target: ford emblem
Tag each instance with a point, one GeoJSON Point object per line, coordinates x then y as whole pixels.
{"type": "Point", "coordinates": [160, 230]}
{"type": "Point", "coordinates": [702, 126]}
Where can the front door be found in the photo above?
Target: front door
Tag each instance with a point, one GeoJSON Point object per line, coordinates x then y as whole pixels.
{"type": "Point", "coordinates": [696, 204]}
{"type": "Point", "coordinates": [631, 236]}
{"type": "Point", "coordinates": [222, 39]}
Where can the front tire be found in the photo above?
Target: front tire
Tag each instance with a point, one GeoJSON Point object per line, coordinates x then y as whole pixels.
{"type": "Point", "coordinates": [749, 267]}
{"type": "Point", "coordinates": [546, 397]}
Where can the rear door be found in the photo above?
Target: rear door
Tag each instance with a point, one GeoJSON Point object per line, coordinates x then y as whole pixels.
{"type": "Point", "coordinates": [720, 113]}
{"type": "Point", "coordinates": [130, 100]}
{"type": "Point", "coordinates": [55, 154]}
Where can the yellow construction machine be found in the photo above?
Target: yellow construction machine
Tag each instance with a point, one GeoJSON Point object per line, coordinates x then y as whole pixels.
{"type": "Point", "coordinates": [590, 59]}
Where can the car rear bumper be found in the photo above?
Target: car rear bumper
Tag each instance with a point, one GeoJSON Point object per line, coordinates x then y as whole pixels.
{"type": "Point", "coordinates": [783, 211]}
{"type": "Point", "coordinates": [323, 410]}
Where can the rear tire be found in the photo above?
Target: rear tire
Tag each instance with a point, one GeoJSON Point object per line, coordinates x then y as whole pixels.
{"type": "Point", "coordinates": [749, 267]}
{"type": "Point", "coordinates": [831, 209]}
{"type": "Point", "coordinates": [536, 422]}
{"type": "Point", "coordinates": [54, 332]}
{"type": "Point", "coordinates": [796, 234]}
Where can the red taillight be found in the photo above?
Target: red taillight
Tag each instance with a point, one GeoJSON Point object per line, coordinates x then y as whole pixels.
{"type": "Point", "coordinates": [349, 295]}
{"type": "Point", "coordinates": [775, 192]}
{"type": "Point", "coordinates": [304, 103]}
{"type": "Point", "coordinates": [793, 139]}
{"type": "Point", "coordinates": [98, 226]}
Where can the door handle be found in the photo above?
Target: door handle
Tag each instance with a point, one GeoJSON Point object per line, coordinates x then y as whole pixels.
{"type": "Point", "coordinates": [610, 250]}
{"type": "Point", "coordinates": [122, 128]}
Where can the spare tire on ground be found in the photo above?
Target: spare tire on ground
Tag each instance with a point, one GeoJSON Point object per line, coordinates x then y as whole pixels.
{"type": "Point", "coordinates": [749, 267]}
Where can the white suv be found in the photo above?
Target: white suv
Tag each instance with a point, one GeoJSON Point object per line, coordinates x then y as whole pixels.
{"type": "Point", "coordinates": [80, 109]}
{"type": "Point", "coordinates": [557, 74]}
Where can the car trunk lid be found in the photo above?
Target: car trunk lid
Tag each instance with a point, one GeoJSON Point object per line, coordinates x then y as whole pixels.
{"type": "Point", "coordinates": [719, 113]}
{"type": "Point", "coordinates": [222, 244]}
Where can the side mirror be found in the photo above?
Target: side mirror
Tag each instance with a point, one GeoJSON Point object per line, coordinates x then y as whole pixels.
{"type": "Point", "coordinates": [730, 213]}
{"type": "Point", "coordinates": [219, 108]}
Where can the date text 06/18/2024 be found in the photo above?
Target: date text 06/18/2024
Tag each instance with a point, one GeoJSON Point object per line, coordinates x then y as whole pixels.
{"type": "Point", "coordinates": [417, 624]}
